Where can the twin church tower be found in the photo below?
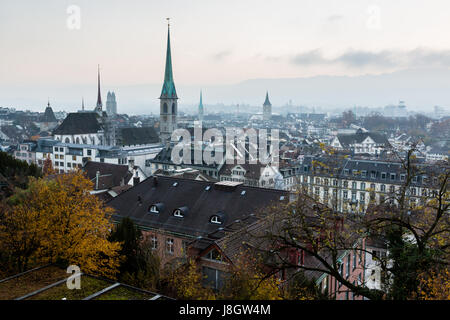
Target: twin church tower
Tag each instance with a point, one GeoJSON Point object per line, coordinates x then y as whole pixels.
{"type": "Point", "coordinates": [169, 100]}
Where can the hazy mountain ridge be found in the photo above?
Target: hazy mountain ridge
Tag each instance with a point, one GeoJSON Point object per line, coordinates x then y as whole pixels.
{"type": "Point", "coordinates": [419, 88]}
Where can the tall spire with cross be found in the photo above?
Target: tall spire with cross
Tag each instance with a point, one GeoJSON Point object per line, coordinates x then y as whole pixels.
{"type": "Point", "coordinates": [168, 99]}
{"type": "Point", "coordinates": [99, 105]}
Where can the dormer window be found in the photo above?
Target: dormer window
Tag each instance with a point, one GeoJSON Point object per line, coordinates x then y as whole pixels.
{"type": "Point", "coordinates": [180, 212]}
{"type": "Point", "coordinates": [156, 208]}
{"type": "Point", "coordinates": [215, 220]}
{"type": "Point", "coordinates": [153, 209]}
{"type": "Point", "coordinates": [177, 213]}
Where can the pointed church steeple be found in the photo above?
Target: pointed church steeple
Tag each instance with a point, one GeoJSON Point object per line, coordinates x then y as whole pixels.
{"type": "Point", "coordinates": [267, 108]}
{"type": "Point", "coordinates": [267, 102]}
{"type": "Point", "coordinates": [200, 107]}
{"type": "Point", "coordinates": [99, 96]}
{"type": "Point", "coordinates": [168, 89]}
{"type": "Point", "coordinates": [168, 100]}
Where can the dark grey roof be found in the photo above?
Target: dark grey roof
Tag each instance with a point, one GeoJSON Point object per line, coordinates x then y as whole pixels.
{"type": "Point", "coordinates": [349, 139]}
{"type": "Point", "coordinates": [111, 175]}
{"type": "Point", "coordinates": [48, 115]}
{"type": "Point", "coordinates": [202, 203]}
{"type": "Point", "coordinates": [79, 123]}
{"type": "Point", "coordinates": [165, 157]}
{"type": "Point", "coordinates": [137, 136]}
{"type": "Point", "coordinates": [366, 170]}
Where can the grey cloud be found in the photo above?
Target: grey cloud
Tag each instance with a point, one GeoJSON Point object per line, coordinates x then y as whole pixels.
{"type": "Point", "coordinates": [385, 58]}
{"type": "Point", "coordinates": [221, 55]}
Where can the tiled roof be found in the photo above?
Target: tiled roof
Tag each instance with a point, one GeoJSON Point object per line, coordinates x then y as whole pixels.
{"type": "Point", "coordinates": [111, 175]}
{"type": "Point", "coordinates": [79, 123]}
{"type": "Point", "coordinates": [137, 136]}
{"type": "Point", "coordinates": [234, 202]}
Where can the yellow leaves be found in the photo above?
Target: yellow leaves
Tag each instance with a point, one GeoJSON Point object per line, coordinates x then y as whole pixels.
{"type": "Point", "coordinates": [435, 286]}
{"type": "Point", "coordinates": [186, 281]}
{"type": "Point", "coordinates": [59, 220]}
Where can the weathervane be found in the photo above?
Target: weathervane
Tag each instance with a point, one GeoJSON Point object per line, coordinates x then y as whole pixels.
{"type": "Point", "coordinates": [168, 22]}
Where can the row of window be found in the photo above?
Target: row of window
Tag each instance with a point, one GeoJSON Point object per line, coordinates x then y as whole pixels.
{"type": "Point", "coordinates": [181, 212]}
{"type": "Point", "coordinates": [169, 244]}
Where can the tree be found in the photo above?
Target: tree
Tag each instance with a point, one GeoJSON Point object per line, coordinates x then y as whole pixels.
{"type": "Point", "coordinates": [184, 281]}
{"type": "Point", "coordinates": [247, 281]}
{"type": "Point", "coordinates": [58, 220]}
{"type": "Point", "coordinates": [140, 266]}
{"type": "Point", "coordinates": [434, 285]}
{"type": "Point", "coordinates": [416, 234]}
{"type": "Point", "coordinates": [348, 117]}
{"type": "Point", "coordinates": [48, 166]}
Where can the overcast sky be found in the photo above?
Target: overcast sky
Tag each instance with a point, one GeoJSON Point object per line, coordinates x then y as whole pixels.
{"type": "Point", "coordinates": [215, 42]}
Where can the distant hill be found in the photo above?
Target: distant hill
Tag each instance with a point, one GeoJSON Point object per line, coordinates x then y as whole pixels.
{"type": "Point", "coordinates": [420, 89]}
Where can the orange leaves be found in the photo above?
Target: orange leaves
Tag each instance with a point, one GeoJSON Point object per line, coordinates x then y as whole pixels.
{"type": "Point", "coordinates": [58, 219]}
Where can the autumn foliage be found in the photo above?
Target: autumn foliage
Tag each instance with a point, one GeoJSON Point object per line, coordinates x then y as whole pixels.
{"type": "Point", "coordinates": [58, 220]}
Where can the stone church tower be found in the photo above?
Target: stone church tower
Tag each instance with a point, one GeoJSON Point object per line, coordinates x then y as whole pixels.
{"type": "Point", "coordinates": [267, 108]}
{"type": "Point", "coordinates": [168, 99]}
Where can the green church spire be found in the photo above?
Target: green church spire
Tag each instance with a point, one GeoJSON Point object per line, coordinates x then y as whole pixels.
{"type": "Point", "coordinates": [168, 89]}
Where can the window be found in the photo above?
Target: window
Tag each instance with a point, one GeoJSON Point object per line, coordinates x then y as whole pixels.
{"type": "Point", "coordinates": [74, 158]}
{"type": "Point", "coordinates": [345, 184]}
{"type": "Point", "coordinates": [61, 149]}
{"type": "Point", "coordinates": [89, 152]}
{"type": "Point", "coordinates": [354, 259]}
{"type": "Point", "coordinates": [353, 185]}
{"type": "Point", "coordinates": [362, 197]}
{"type": "Point", "coordinates": [363, 186]}
{"type": "Point", "coordinates": [169, 245]}
{"type": "Point", "coordinates": [215, 219]}
{"type": "Point", "coordinates": [383, 188]}
{"type": "Point", "coordinates": [373, 174]}
{"type": "Point", "coordinates": [184, 247]}
{"type": "Point", "coordinates": [154, 242]}
{"type": "Point", "coordinates": [214, 255]}
{"type": "Point", "coordinates": [402, 177]}
{"type": "Point", "coordinates": [213, 278]}
{"type": "Point", "coordinates": [346, 171]}
{"type": "Point", "coordinates": [383, 175]}
{"type": "Point", "coordinates": [392, 189]}
{"type": "Point", "coordinates": [348, 265]}
{"type": "Point", "coordinates": [393, 175]}
{"type": "Point", "coordinates": [363, 173]}
{"type": "Point", "coordinates": [177, 213]}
